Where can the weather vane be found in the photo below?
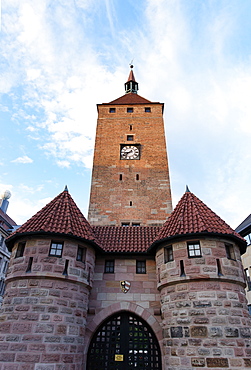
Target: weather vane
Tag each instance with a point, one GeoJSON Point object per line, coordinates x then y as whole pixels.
{"type": "Point", "coordinates": [131, 64]}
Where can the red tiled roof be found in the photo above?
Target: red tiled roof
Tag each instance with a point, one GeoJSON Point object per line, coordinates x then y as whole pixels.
{"type": "Point", "coordinates": [125, 238]}
{"type": "Point", "coordinates": [192, 216]}
{"type": "Point", "coordinates": [60, 216]}
{"type": "Point", "coordinates": [130, 98]}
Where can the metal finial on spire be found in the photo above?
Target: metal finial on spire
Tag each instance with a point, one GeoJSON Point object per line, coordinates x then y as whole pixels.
{"type": "Point", "coordinates": [187, 189]}
{"type": "Point", "coordinates": [131, 64]}
{"type": "Point", "coordinates": [66, 188]}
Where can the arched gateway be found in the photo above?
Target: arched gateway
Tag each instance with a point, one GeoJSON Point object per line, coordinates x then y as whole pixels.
{"type": "Point", "coordinates": [124, 342]}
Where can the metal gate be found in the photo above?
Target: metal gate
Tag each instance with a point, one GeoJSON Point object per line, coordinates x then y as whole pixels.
{"type": "Point", "coordinates": [124, 342]}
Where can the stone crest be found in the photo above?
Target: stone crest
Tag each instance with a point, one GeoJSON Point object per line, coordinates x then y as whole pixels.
{"type": "Point", "coordinates": [125, 286]}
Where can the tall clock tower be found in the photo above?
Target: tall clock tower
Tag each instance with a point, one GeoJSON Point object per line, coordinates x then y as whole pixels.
{"type": "Point", "coordinates": [130, 178]}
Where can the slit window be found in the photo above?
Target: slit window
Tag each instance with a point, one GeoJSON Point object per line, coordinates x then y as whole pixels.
{"type": "Point", "coordinates": [230, 251]}
{"type": "Point", "coordinates": [29, 264]}
{"type": "Point", "coordinates": [109, 266]}
{"type": "Point", "coordinates": [137, 177]}
{"type": "Point", "coordinates": [20, 249]}
{"type": "Point", "coordinates": [129, 137]}
{"type": "Point", "coordinates": [129, 110]}
{"type": "Point", "coordinates": [130, 127]}
{"type": "Point", "coordinates": [56, 249]}
{"type": "Point", "coordinates": [168, 254]}
{"type": "Point", "coordinates": [120, 177]}
{"type": "Point", "coordinates": [147, 109]}
{"type": "Point", "coordinates": [182, 269]}
{"type": "Point", "coordinates": [81, 254]}
{"type": "Point", "coordinates": [140, 267]}
{"type": "Point", "coordinates": [130, 203]}
{"type": "Point", "coordinates": [194, 249]}
{"type": "Point", "coordinates": [112, 110]}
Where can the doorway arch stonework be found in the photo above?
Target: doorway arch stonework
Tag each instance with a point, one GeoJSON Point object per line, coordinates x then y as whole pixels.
{"type": "Point", "coordinates": [97, 320]}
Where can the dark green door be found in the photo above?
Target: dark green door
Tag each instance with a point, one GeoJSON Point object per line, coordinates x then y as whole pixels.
{"type": "Point", "coordinates": [124, 342]}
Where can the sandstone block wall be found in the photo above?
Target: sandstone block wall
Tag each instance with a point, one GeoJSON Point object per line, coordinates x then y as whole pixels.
{"type": "Point", "coordinates": [205, 319]}
{"type": "Point", "coordinates": [43, 316]}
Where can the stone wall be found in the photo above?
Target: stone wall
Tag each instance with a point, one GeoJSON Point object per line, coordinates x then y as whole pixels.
{"type": "Point", "coordinates": [43, 317]}
{"type": "Point", "coordinates": [206, 323]}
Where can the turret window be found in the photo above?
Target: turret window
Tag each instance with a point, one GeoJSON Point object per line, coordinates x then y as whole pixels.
{"type": "Point", "coordinates": [230, 251]}
{"type": "Point", "coordinates": [168, 254]}
{"type": "Point", "coordinates": [129, 110]}
{"type": "Point", "coordinates": [56, 249]}
{"type": "Point", "coordinates": [194, 249]}
{"type": "Point", "coordinates": [20, 249]}
{"type": "Point", "coordinates": [81, 254]}
{"type": "Point", "coordinates": [148, 109]}
{"type": "Point", "coordinates": [129, 137]}
{"type": "Point", "coordinates": [112, 110]}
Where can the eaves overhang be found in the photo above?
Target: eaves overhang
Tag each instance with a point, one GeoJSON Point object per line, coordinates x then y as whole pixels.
{"type": "Point", "coordinates": [241, 242]}
{"type": "Point", "coordinates": [12, 238]}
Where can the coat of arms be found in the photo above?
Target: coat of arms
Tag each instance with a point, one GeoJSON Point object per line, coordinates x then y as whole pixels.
{"type": "Point", "coordinates": [125, 286]}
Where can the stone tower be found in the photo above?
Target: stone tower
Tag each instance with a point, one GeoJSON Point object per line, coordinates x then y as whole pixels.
{"type": "Point", "coordinates": [201, 282]}
{"type": "Point", "coordinates": [47, 289]}
{"type": "Point", "coordinates": [101, 296]}
{"type": "Point", "coordinates": [130, 179]}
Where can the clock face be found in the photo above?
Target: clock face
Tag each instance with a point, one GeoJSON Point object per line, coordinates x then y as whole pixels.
{"type": "Point", "coordinates": [129, 152]}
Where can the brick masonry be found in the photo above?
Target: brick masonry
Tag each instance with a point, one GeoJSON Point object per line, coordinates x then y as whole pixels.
{"type": "Point", "coordinates": [150, 196]}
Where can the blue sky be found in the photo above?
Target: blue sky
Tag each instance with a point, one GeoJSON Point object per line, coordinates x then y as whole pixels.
{"type": "Point", "coordinates": [60, 58]}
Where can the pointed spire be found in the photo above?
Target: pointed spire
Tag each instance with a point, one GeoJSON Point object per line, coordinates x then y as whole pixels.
{"type": "Point", "coordinates": [131, 86]}
{"type": "Point", "coordinates": [187, 189]}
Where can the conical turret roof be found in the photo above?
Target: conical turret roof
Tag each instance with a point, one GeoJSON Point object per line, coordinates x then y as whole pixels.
{"type": "Point", "coordinates": [60, 216]}
{"type": "Point", "coordinates": [191, 216]}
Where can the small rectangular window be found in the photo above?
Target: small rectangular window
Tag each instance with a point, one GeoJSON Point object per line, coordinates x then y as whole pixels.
{"type": "Point", "coordinates": [20, 249]}
{"type": "Point", "coordinates": [140, 267]}
{"type": "Point", "coordinates": [168, 254]}
{"type": "Point", "coordinates": [230, 251]}
{"type": "Point", "coordinates": [81, 254]}
{"type": "Point", "coordinates": [125, 223]}
{"type": "Point", "coordinates": [112, 110]}
{"type": "Point", "coordinates": [129, 110]}
{"type": "Point", "coordinates": [109, 266]}
{"type": "Point", "coordinates": [137, 177]}
{"type": "Point", "coordinates": [247, 275]}
{"type": "Point", "coordinates": [248, 238]}
{"type": "Point", "coordinates": [136, 224]}
{"type": "Point", "coordinates": [129, 137]}
{"type": "Point", "coordinates": [56, 249]}
{"type": "Point", "coordinates": [5, 267]}
{"type": "Point", "coordinates": [147, 109]}
{"type": "Point", "coordinates": [194, 249]}
{"type": "Point", "coordinates": [120, 177]}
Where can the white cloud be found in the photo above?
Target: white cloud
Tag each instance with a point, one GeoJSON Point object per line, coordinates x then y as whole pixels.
{"type": "Point", "coordinates": [24, 159]}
